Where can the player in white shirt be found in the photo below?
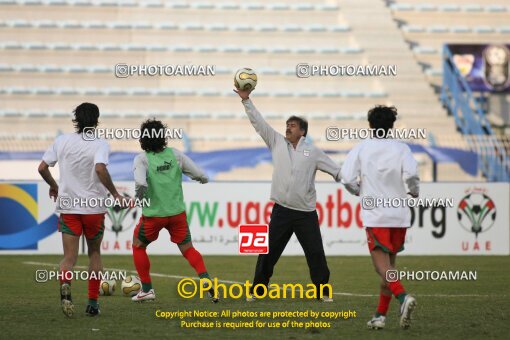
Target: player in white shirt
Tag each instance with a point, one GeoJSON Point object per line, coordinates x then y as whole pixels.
{"type": "Point", "coordinates": [386, 169]}
{"type": "Point", "coordinates": [83, 175]}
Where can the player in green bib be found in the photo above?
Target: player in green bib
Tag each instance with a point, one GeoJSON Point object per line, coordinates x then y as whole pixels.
{"type": "Point", "coordinates": [158, 179]}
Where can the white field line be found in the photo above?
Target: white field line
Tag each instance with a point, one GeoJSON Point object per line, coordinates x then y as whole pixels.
{"type": "Point", "coordinates": [46, 264]}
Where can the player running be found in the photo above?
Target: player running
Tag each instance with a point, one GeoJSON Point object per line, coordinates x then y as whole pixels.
{"type": "Point", "coordinates": [386, 169]}
{"type": "Point", "coordinates": [83, 175]}
{"type": "Point", "coordinates": [158, 178]}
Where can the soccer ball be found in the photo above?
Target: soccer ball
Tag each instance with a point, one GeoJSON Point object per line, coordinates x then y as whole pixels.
{"type": "Point", "coordinates": [245, 79]}
{"type": "Point", "coordinates": [131, 285]}
{"type": "Point", "coordinates": [107, 287]}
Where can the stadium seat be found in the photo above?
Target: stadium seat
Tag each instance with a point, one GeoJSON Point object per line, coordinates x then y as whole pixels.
{"type": "Point", "coordinates": [152, 4]}
{"type": "Point", "coordinates": [483, 29]}
{"type": "Point", "coordinates": [426, 8]}
{"type": "Point", "coordinates": [217, 27]}
{"type": "Point", "coordinates": [449, 8]}
{"type": "Point", "coordinates": [167, 26]}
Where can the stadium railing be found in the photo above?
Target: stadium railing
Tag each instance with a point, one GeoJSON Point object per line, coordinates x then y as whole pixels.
{"type": "Point", "coordinates": [493, 159]}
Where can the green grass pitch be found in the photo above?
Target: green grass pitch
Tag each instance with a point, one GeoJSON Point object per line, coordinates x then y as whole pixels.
{"type": "Point", "coordinates": [446, 309]}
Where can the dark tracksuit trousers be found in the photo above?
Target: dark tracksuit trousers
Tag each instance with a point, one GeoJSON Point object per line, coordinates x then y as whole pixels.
{"type": "Point", "coordinates": [284, 222]}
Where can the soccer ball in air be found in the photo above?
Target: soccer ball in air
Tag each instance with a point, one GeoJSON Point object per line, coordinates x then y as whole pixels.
{"type": "Point", "coordinates": [245, 79]}
{"type": "Point", "coordinates": [107, 287]}
{"type": "Point", "coordinates": [131, 285]}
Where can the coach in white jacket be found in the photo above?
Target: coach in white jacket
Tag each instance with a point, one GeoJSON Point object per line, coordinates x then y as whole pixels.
{"type": "Point", "coordinates": [295, 162]}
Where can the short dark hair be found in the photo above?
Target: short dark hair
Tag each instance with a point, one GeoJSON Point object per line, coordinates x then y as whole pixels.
{"type": "Point", "coordinates": [382, 117]}
{"type": "Point", "coordinates": [85, 115]}
{"type": "Point", "coordinates": [303, 123]}
{"type": "Point", "coordinates": [151, 139]}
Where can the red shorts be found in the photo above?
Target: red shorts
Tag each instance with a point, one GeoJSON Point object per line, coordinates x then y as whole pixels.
{"type": "Point", "coordinates": [390, 240]}
{"type": "Point", "coordinates": [148, 228]}
{"type": "Point", "coordinates": [92, 225]}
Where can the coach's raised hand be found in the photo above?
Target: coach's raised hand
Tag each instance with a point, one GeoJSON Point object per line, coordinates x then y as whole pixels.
{"type": "Point", "coordinates": [244, 94]}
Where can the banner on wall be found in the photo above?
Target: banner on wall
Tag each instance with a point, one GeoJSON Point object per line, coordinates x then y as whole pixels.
{"type": "Point", "coordinates": [477, 224]}
{"type": "Point", "coordinates": [486, 67]}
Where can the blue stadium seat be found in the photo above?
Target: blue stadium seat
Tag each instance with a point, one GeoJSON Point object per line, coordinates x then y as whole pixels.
{"type": "Point", "coordinates": [253, 7]}
{"type": "Point", "coordinates": [279, 50]}
{"type": "Point", "coordinates": [152, 4]}
{"type": "Point", "coordinates": [461, 29]}
{"type": "Point", "coordinates": [426, 8]}
{"type": "Point", "coordinates": [18, 90]}
{"type": "Point", "coordinates": [304, 50]}
{"type": "Point", "coordinates": [483, 29]}
{"type": "Point", "coordinates": [438, 29]}
{"type": "Point", "coordinates": [326, 7]}
{"type": "Point", "coordinates": [70, 24]}
{"type": "Point", "coordinates": [266, 28]}
{"type": "Point", "coordinates": [329, 50]}
{"type": "Point", "coordinates": [377, 94]}
{"type": "Point", "coordinates": [231, 49]}
{"type": "Point", "coordinates": [177, 5]}
{"type": "Point", "coordinates": [472, 8]}
{"type": "Point", "coordinates": [242, 28]}
{"type": "Point", "coordinates": [205, 5]}
{"type": "Point", "coordinates": [47, 24]}
{"type": "Point", "coordinates": [207, 49]}
{"type": "Point", "coordinates": [425, 50]}
{"type": "Point", "coordinates": [67, 91]}
{"type": "Point", "coordinates": [316, 28]}
{"type": "Point", "coordinates": [192, 27]}
{"type": "Point", "coordinates": [85, 47]}
{"type": "Point", "coordinates": [496, 8]}
{"type": "Point", "coordinates": [292, 28]}
{"type": "Point", "coordinates": [256, 49]}
{"type": "Point", "coordinates": [61, 46]}
{"type": "Point", "coordinates": [51, 69]}
{"type": "Point", "coordinates": [185, 92]}
{"type": "Point", "coordinates": [19, 23]}
{"type": "Point", "coordinates": [6, 68]}
{"type": "Point", "coordinates": [303, 7]}
{"type": "Point", "coordinates": [142, 26]}
{"type": "Point", "coordinates": [157, 48]}
{"type": "Point", "coordinates": [217, 27]}
{"type": "Point", "coordinates": [229, 6]}
{"type": "Point", "coordinates": [167, 26]}
{"type": "Point", "coordinates": [120, 25]}
{"type": "Point", "coordinates": [352, 50]}
{"type": "Point", "coordinates": [110, 47]}
{"type": "Point", "coordinates": [449, 8]}
{"type": "Point", "coordinates": [278, 7]}
{"type": "Point", "coordinates": [340, 28]}
{"type": "Point", "coordinates": [44, 91]}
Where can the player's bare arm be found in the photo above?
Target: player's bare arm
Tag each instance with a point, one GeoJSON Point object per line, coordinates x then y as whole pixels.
{"type": "Point", "coordinates": [44, 171]}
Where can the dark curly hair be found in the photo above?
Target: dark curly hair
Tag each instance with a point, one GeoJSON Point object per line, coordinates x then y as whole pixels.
{"type": "Point", "coordinates": [382, 117]}
{"type": "Point", "coordinates": [152, 135]}
{"type": "Point", "coordinates": [85, 115]}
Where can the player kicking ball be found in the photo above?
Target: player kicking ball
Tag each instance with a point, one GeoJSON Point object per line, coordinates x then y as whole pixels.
{"type": "Point", "coordinates": [158, 178]}
{"type": "Point", "coordinates": [387, 169]}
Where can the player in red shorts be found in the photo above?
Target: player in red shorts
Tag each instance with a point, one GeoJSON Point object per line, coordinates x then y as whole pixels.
{"type": "Point", "coordinates": [384, 168]}
{"type": "Point", "coordinates": [158, 178]}
{"type": "Point", "coordinates": [83, 175]}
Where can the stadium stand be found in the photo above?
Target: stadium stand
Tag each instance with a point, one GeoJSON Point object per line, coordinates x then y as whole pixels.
{"type": "Point", "coordinates": [58, 53]}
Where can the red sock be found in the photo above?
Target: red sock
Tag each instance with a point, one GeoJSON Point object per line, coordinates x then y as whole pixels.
{"type": "Point", "coordinates": [384, 304]}
{"type": "Point", "coordinates": [142, 264]}
{"type": "Point", "coordinates": [94, 288]}
{"type": "Point", "coordinates": [196, 261]}
{"type": "Point", "coordinates": [396, 288]}
{"type": "Point", "coordinates": [65, 276]}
